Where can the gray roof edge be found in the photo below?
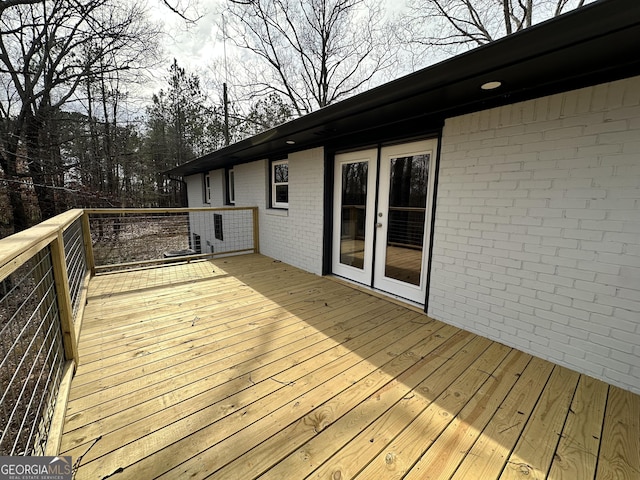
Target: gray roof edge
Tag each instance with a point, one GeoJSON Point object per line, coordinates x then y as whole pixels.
{"type": "Point", "coordinates": [590, 21]}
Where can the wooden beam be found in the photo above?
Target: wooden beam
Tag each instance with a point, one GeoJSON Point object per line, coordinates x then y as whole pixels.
{"type": "Point", "coordinates": [77, 324]}
{"type": "Point", "coordinates": [256, 231]}
{"type": "Point", "coordinates": [172, 260]}
{"type": "Point", "coordinates": [56, 428]}
{"type": "Point", "coordinates": [18, 248]}
{"type": "Point", "coordinates": [63, 294]}
{"type": "Point", "coordinates": [118, 211]}
{"type": "Point", "coordinates": [88, 244]}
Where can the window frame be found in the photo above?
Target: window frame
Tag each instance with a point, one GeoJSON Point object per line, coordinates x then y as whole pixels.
{"type": "Point", "coordinates": [206, 187]}
{"type": "Point", "coordinates": [274, 202]}
{"type": "Point", "coordinates": [230, 178]}
{"type": "Point", "coordinates": [217, 227]}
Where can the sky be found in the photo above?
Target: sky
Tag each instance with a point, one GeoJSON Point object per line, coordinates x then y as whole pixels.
{"type": "Point", "coordinates": [200, 47]}
{"type": "Point", "coordinates": [197, 47]}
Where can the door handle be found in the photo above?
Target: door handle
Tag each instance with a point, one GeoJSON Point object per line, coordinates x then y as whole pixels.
{"type": "Point", "coordinates": [378, 225]}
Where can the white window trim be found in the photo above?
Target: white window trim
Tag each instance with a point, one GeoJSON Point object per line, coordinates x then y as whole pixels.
{"type": "Point", "coordinates": [274, 203]}
{"type": "Point", "coordinates": [207, 188]}
{"type": "Point", "coordinates": [231, 184]}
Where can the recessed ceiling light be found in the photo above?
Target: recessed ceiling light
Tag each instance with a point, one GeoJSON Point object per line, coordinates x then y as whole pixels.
{"type": "Point", "coordinates": [490, 85]}
{"type": "Point", "coordinates": [290, 142]}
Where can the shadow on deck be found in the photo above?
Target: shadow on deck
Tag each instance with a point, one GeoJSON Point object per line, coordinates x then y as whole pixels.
{"type": "Point", "coordinates": [243, 367]}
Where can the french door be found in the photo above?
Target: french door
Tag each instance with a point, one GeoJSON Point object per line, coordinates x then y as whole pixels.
{"type": "Point", "coordinates": [382, 222]}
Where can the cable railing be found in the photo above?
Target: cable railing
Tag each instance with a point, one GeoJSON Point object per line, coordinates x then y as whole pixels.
{"type": "Point", "coordinates": [77, 268]}
{"type": "Point", "coordinates": [44, 276]}
{"type": "Point", "coordinates": [135, 238]}
{"type": "Point", "coordinates": [37, 334]}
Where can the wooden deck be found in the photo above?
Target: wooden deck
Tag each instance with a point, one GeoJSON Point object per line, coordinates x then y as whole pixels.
{"type": "Point", "coordinates": [246, 367]}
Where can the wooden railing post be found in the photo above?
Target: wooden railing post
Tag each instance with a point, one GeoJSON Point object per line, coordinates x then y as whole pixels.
{"type": "Point", "coordinates": [61, 280]}
{"type": "Point", "coordinates": [88, 244]}
{"type": "Point", "coordinates": [256, 232]}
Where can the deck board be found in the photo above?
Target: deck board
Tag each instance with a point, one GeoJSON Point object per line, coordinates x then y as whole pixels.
{"type": "Point", "coordinates": [245, 366]}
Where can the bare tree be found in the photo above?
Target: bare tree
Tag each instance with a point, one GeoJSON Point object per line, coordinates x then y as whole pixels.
{"type": "Point", "coordinates": [48, 49]}
{"type": "Point", "coordinates": [312, 52]}
{"type": "Point", "coordinates": [186, 10]}
{"type": "Point", "coordinates": [459, 24]}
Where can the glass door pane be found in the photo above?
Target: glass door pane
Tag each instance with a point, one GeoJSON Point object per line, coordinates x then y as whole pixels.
{"type": "Point", "coordinates": [406, 217]}
{"type": "Point", "coordinates": [353, 214]}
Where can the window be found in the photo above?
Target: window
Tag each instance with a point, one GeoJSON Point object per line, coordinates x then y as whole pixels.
{"type": "Point", "coordinates": [207, 188]}
{"type": "Point", "coordinates": [217, 226]}
{"type": "Point", "coordinates": [197, 246]}
{"type": "Point", "coordinates": [231, 187]}
{"type": "Point", "coordinates": [280, 184]}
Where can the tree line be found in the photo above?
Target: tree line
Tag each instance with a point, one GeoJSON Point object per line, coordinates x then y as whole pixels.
{"type": "Point", "coordinates": [72, 135]}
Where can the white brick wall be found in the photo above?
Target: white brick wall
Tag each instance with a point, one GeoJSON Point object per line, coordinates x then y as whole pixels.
{"type": "Point", "coordinates": [537, 237]}
{"type": "Point", "coordinates": [195, 189]}
{"type": "Point", "coordinates": [195, 195]}
{"type": "Point", "coordinates": [294, 235]}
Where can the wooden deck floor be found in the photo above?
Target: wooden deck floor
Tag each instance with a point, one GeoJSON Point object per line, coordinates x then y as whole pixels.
{"type": "Point", "coordinates": [245, 367]}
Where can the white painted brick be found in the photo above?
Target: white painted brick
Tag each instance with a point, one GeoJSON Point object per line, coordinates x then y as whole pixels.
{"type": "Point", "coordinates": [560, 242]}
{"type": "Point", "coordinates": [628, 216]}
{"type": "Point", "coordinates": [526, 221]}
{"type": "Point", "coordinates": [511, 230]}
{"type": "Point", "coordinates": [608, 362]}
{"type": "Point", "coordinates": [539, 250]}
{"type": "Point", "coordinates": [632, 306]}
{"type": "Point", "coordinates": [576, 294]}
{"type": "Point", "coordinates": [592, 307]}
{"type": "Point", "coordinates": [610, 247]}
{"type": "Point", "coordinates": [589, 327]}
{"type": "Point", "coordinates": [581, 198]}
{"type": "Point", "coordinates": [623, 193]}
{"type": "Point", "coordinates": [548, 193]}
{"type": "Point", "coordinates": [620, 159]}
{"type": "Point", "coordinates": [590, 235]}
{"type": "Point", "coordinates": [562, 222]}
{"type": "Point", "coordinates": [555, 300]}
{"type": "Point", "coordinates": [615, 280]}
{"type": "Point", "coordinates": [616, 182]}
{"type": "Point", "coordinates": [615, 378]}
{"type": "Point", "coordinates": [556, 280]}
{"type": "Point", "coordinates": [599, 267]}
{"type": "Point", "coordinates": [568, 203]}
{"type": "Point", "coordinates": [617, 259]}
{"type": "Point", "coordinates": [525, 256]}
{"type": "Point", "coordinates": [538, 304]}
{"type": "Point", "coordinates": [559, 261]}
{"type": "Point", "coordinates": [629, 339]}
{"type": "Point", "coordinates": [593, 287]}
{"type": "Point", "coordinates": [522, 273]}
{"type": "Point", "coordinates": [585, 366]}
{"type": "Point", "coordinates": [539, 285]}
{"type": "Point", "coordinates": [629, 294]}
{"type": "Point", "coordinates": [574, 351]}
{"type": "Point", "coordinates": [604, 225]}
{"type": "Point", "coordinates": [588, 346]}
{"type": "Point", "coordinates": [631, 147]}
{"type": "Point", "coordinates": [576, 274]}
{"type": "Point", "coordinates": [554, 317]}
{"type": "Point", "coordinates": [589, 193]}
{"type": "Point", "coordinates": [625, 358]}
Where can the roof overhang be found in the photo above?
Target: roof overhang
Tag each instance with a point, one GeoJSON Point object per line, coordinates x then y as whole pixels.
{"type": "Point", "coordinates": [594, 44]}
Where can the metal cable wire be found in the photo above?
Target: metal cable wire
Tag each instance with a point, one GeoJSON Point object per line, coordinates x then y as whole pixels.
{"type": "Point", "coordinates": [76, 262]}
{"type": "Point", "coordinates": [32, 356]}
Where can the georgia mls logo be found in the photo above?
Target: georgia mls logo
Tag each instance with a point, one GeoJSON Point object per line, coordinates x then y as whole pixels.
{"type": "Point", "coordinates": [35, 468]}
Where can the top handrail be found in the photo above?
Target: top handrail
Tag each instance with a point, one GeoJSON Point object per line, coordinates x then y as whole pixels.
{"type": "Point", "coordinates": [116, 210]}
{"type": "Point", "coordinates": [17, 249]}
